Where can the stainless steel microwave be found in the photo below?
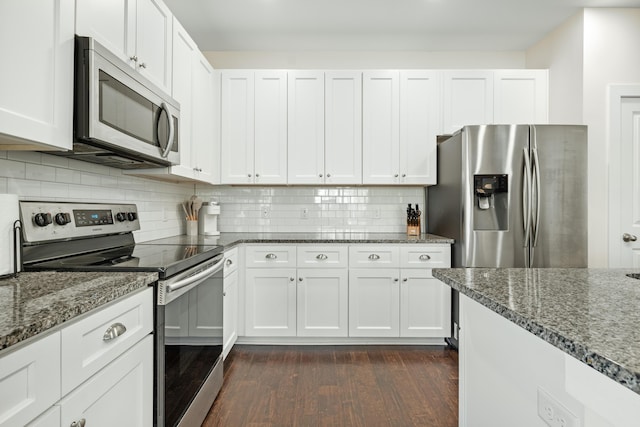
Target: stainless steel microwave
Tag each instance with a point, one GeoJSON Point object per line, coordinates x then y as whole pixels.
{"type": "Point", "coordinates": [120, 118]}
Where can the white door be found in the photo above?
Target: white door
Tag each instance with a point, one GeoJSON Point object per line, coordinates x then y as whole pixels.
{"type": "Point", "coordinates": [425, 305]}
{"type": "Point", "coordinates": [204, 139]}
{"type": "Point", "coordinates": [468, 99]}
{"type": "Point", "coordinates": [306, 127]}
{"type": "Point", "coordinates": [323, 295]}
{"type": "Point", "coordinates": [419, 126]}
{"type": "Point", "coordinates": [624, 187]}
{"type": "Point", "coordinates": [374, 302]}
{"type": "Point", "coordinates": [154, 42]}
{"type": "Point", "coordinates": [380, 133]}
{"type": "Point", "coordinates": [521, 96]}
{"type": "Point", "coordinates": [270, 302]}
{"type": "Point", "coordinates": [270, 127]}
{"type": "Point", "coordinates": [343, 127]}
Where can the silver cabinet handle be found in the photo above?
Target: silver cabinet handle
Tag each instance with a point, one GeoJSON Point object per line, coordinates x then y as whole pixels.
{"type": "Point", "coordinates": [229, 262]}
{"type": "Point", "coordinates": [142, 65]}
{"type": "Point", "coordinates": [404, 175]}
{"type": "Point", "coordinates": [320, 175]}
{"type": "Point", "coordinates": [271, 256]}
{"type": "Point", "coordinates": [328, 175]}
{"type": "Point", "coordinates": [291, 279]}
{"type": "Point", "coordinates": [374, 257]}
{"type": "Point", "coordinates": [395, 176]}
{"type": "Point", "coordinates": [424, 257]}
{"type": "Point", "coordinates": [321, 257]}
{"type": "Point", "coordinates": [134, 58]}
{"type": "Point", "coordinates": [249, 175]}
{"type": "Point", "coordinates": [257, 175]}
{"type": "Point", "coordinates": [629, 237]}
{"type": "Point", "coordinates": [396, 279]}
{"type": "Point", "coordinates": [300, 279]}
{"type": "Point", "coordinates": [405, 279]}
{"type": "Point", "coordinates": [224, 294]}
{"type": "Point", "coordinates": [114, 331]}
{"type": "Point", "coordinates": [80, 423]}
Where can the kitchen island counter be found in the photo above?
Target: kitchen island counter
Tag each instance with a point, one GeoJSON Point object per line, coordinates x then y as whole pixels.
{"type": "Point", "coordinates": [590, 314]}
{"type": "Point", "coordinates": [36, 302]}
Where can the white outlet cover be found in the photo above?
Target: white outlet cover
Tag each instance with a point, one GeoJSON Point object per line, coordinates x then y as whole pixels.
{"type": "Point", "coordinates": [552, 412]}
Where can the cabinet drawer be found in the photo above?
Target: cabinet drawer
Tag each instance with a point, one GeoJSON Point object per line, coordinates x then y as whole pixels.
{"type": "Point", "coordinates": [432, 256]}
{"type": "Point", "coordinates": [372, 256]}
{"type": "Point", "coordinates": [29, 381]}
{"type": "Point", "coordinates": [230, 261]}
{"type": "Point", "coordinates": [329, 256]}
{"type": "Point", "coordinates": [85, 347]}
{"type": "Point", "coordinates": [271, 256]}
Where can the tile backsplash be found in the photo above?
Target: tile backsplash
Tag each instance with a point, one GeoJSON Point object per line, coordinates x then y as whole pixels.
{"type": "Point", "coordinates": [328, 209]}
{"type": "Point", "coordinates": [39, 176]}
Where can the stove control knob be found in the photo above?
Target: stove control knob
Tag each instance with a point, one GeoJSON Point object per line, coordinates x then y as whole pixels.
{"type": "Point", "coordinates": [132, 216]}
{"type": "Point", "coordinates": [62, 218]}
{"type": "Point", "coordinates": [121, 216]}
{"type": "Point", "coordinates": [42, 219]}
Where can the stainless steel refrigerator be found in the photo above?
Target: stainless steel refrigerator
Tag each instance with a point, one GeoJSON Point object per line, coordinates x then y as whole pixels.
{"type": "Point", "coordinates": [512, 196]}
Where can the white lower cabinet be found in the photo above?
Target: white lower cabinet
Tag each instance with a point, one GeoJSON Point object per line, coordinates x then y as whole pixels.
{"type": "Point", "coordinates": [75, 373]}
{"type": "Point", "coordinates": [425, 305]}
{"type": "Point", "coordinates": [119, 395]}
{"type": "Point", "coordinates": [322, 302]}
{"type": "Point", "coordinates": [374, 308]}
{"type": "Point", "coordinates": [271, 302]}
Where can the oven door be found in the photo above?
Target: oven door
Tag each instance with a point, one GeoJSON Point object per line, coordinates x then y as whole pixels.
{"type": "Point", "coordinates": [189, 344]}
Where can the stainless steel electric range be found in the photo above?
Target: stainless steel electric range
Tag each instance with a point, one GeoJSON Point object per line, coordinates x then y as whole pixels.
{"type": "Point", "coordinates": [99, 237]}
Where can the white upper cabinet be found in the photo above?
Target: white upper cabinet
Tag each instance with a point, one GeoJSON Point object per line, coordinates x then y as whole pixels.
{"type": "Point", "coordinates": [36, 77]}
{"type": "Point", "coordinates": [380, 127]}
{"type": "Point", "coordinates": [468, 98]}
{"type": "Point", "coordinates": [343, 127]}
{"type": "Point", "coordinates": [138, 31]}
{"type": "Point", "coordinates": [306, 127]}
{"type": "Point", "coordinates": [204, 144]}
{"type": "Point", "coordinates": [253, 127]}
{"type": "Point", "coordinates": [521, 96]}
{"type": "Point", "coordinates": [400, 122]}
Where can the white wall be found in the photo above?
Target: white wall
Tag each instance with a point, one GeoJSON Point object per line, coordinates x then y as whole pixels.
{"type": "Point", "coordinates": [366, 60]}
{"type": "Point", "coordinates": [561, 51]}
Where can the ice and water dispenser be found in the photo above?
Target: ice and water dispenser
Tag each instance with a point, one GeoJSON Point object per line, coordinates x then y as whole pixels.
{"type": "Point", "coordinates": [491, 202]}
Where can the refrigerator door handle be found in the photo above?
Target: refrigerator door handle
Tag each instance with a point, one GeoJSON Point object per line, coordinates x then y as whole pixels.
{"type": "Point", "coordinates": [526, 200]}
{"type": "Point", "coordinates": [536, 213]}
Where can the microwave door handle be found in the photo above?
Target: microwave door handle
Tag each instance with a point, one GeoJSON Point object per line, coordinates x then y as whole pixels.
{"type": "Point", "coordinates": [196, 277]}
{"type": "Point", "coordinates": [167, 148]}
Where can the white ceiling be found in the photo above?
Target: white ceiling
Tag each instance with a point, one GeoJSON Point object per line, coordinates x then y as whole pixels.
{"type": "Point", "coordinates": [375, 25]}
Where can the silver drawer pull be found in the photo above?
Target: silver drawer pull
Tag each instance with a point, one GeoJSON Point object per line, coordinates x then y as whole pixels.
{"type": "Point", "coordinates": [374, 257]}
{"type": "Point", "coordinates": [321, 257]}
{"type": "Point", "coordinates": [113, 332]}
{"type": "Point", "coordinates": [229, 262]}
{"type": "Point", "coordinates": [271, 256]}
{"type": "Point", "coordinates": [424, 257]}
{"type": "Point", "coordinates": [80, 423]}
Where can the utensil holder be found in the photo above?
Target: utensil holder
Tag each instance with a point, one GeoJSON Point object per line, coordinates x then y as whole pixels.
{"type": "Point", "coordinates": [192, 228]}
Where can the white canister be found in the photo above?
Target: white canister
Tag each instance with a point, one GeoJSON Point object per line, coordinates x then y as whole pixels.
{"type": "Point", "coordinates": [9, 214]}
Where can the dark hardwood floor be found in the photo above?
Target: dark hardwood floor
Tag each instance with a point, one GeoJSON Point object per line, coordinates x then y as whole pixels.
{"type": "Point", "coordinates": [338, 386]}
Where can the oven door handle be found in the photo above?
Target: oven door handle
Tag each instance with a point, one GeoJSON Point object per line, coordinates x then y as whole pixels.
{"type": "Point", "coordinates": [196, 277]}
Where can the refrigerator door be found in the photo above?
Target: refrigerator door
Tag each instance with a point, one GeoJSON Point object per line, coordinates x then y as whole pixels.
{"type": "Point", "coordinates": [559, 218]}
{"type": "Point", "coordinates": [494, 185]}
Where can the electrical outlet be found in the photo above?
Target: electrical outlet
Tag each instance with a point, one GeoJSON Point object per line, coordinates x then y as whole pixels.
{"type": "Point", "coordinates": [553, 413]}
{"type": "Point", "coordinates": [265, 212]}
{"type": "Point", "coordinates": [376, 213]}
{"type": "Point", "coordinates": [304, 213]}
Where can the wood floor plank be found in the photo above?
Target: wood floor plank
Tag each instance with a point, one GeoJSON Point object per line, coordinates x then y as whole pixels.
{"type": "Point", "coordinates": [338, 386]}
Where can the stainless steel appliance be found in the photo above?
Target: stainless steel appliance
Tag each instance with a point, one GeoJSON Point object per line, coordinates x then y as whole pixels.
{"type": "Point", "coordinates": [120, 118]}
{"type": "Point", "coordinates": [512, 196]}
{"type": "Point", "coordinates": [98, 237]}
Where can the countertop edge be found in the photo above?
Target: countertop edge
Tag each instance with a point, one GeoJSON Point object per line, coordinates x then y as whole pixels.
{"type": "Point", "coordinates": [579, 351]}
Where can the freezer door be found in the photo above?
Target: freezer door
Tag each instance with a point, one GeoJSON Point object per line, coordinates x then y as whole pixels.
{"type": "Point", "coordinates": [559, 160]}
{"type": "Point", "coordinates": [493, 180]}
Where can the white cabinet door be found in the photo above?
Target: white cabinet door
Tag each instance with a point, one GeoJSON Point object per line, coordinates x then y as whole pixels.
{"type": "Point", "coordinates": [467, 98]}
{"type": "Point", "coordinates": [323, 309]}
{"type": "Point", "coordinates": [374, 302]}
{"type": "Point", "coordinates": [119, 395]}
{"type": "Point", "coordinates": [343, 127]}
{"type": "Point", "coordinates": [380, 127]}
{"type": "Point", "coordinates": [521, 96]}
{"type": "Point", "coordinates": [29, 381]}
{"type": "Point", "coordinates": [51, 418]}
{"type": "Point", "coordinates": [425, 305]}
{"type": "Point", "coordinates": [111, 23]}
{"type": "Point", "coordinates": [270, 302]}
{"type": "Point", "coordinates": [204, 141]}
{"type": "Point", "coordinates": [419, 126]}
{"type": "Point", "coordinates": [270, 127]}
{"type": "Point", "coordinates": [230, 324]}
{"type": "Point", "coordinates": [154, 42]}
{"type": "Point", "coordinates": [237, 127]}
{"type": "Point", "coordinates": [36, 88]}
{"type": "Point", "coordinates": [306, 127]}
{"type": "Point", "coordinates": [204, 319]}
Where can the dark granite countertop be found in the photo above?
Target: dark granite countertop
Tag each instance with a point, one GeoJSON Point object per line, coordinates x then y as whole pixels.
{"type": "Point", "coordinates": [590, 314]}
{"type": "Point", "coordinates": [229, 240]}
{"type": "Point", "coordinates": [33, 303]}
